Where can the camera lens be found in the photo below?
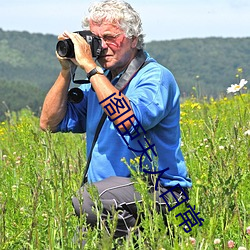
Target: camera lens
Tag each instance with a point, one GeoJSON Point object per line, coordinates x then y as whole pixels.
{"type": "Point", "coordinates": [65, 48]}
{"type": "Point", "coordinates": [75, 95]}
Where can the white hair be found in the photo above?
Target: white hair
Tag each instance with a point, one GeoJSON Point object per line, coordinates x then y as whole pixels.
{"type": "Point", "coordinates": [120, 13]}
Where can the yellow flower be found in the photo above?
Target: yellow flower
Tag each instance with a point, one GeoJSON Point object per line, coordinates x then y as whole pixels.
{"type": "Point", "coordinates": [195, 105]}
{"type": "Point", "coordinates": [240, 70]}
{"type": "Point", "coordinates": [137, 159]}
{"type": "Point", "coordinates": [132, 162]}
{"type": "Point", "coordinates": [198, 182]}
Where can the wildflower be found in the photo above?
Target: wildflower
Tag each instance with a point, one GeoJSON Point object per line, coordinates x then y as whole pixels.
{"type": "Point", "coordinates": [137, 159]}
{"type": "Point", "coordinates": [240, 70]}
{"type": "Point", "coordinates": [198, 182]}
{"type": "Point", "coordinates": [22, 210]}
{"type": "Point", "coordinates": [132, 162]}
{"type": "Point", "coordinates": [247, 133]}
{"type": "Point", "coordinates": [248, 230]}
{"type": "Point", "coordinates": [221, 147]}
{"type": "Point", "coordinates": [195, 106]}
{"type": "Point", "coordinates": [237, 87]}
{"type": "Point", "coordinates": [45, 216]}
{"type": "Point", "coordinates": [216, 241]}
{"type": "Point", "coordinates": [242, 248]}
{"type": "Point", "coordinates": [230, 244]}
{"type": "Point", "coordinates": [192, 240]}
{"type": "Point", "coordinates": [14, 188]}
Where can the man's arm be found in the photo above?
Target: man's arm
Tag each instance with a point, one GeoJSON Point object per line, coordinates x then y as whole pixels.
{"type": "Point", "coordinates": [55, 103]}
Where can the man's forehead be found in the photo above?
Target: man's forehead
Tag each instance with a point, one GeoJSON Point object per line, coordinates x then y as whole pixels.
{"type": "Point", "coordinates": [104, 25]}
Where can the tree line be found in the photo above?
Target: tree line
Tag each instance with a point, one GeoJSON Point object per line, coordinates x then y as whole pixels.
{"type": "Point", "coordinates": [202, 67]}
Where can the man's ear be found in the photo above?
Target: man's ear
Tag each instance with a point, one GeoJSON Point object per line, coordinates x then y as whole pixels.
{"type": "Point", "coordinates": [134, 42]}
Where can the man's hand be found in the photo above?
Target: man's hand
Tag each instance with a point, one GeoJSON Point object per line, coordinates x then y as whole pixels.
{"type": "Point", "coordinates": [66, 63]}
{"type": "Point", "coordinates": [83, 54]}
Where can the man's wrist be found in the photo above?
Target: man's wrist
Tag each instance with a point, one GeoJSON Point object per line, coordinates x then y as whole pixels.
{"type": "Point", "coordinates": [96, 70]}
{"type": "Point", "coordinates": [65, 73]}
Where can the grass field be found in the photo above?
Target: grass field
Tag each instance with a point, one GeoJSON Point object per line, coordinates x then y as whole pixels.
{"type": "Point", "coordinates": [40, 172]}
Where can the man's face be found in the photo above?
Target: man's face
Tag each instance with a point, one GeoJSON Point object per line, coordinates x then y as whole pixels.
{"type": "Point", "coordinates": [118, 50]}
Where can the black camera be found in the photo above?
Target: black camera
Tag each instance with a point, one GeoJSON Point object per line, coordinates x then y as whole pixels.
{"type": "Point", "coordinates": [65, 48]}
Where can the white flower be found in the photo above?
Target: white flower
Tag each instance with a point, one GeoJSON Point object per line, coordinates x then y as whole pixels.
{"type": "Point", "coordinates": [242, 248]}
{"type": "Point", "coordinates": [22, 210]}
{"type": "Point", "coordinates": [246, 133]}
{"type": "Point", "coordinates": [216, 241]}
{"type": "Point", "coordinates": [237, 87]}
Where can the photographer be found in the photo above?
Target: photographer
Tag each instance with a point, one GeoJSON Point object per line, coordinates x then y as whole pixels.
{"type": "Point", "coordinates": [136, 82]}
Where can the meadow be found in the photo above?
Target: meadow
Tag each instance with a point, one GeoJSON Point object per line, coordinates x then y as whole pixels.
{"type": "Point", "coordinates": [40, 172]}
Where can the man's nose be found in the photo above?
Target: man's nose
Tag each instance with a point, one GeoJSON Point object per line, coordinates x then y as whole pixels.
{"type": "Point", "coordinates": [104, 44]}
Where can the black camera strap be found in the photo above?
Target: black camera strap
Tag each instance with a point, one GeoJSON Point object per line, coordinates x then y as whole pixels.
{"type": "Point", "coordinates": [136, 64]}
{"type": "Point", "coordinates": [97, 132]}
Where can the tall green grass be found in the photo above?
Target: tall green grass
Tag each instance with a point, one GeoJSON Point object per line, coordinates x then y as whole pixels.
{"type": "Point", "coordinates": [40, 172]}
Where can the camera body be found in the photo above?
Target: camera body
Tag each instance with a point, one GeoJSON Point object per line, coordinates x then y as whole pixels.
{"type": "Point", "coordinates": [65, 48]}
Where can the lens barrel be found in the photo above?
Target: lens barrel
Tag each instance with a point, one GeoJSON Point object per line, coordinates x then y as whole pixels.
{"type": "Point", "coordinates": [65, 48]}
{"type": "Point", "coordinates": [75, 95]}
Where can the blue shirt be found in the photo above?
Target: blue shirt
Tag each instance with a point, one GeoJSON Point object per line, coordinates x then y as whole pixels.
{"type": "Point", "coordinates": [154, 97]}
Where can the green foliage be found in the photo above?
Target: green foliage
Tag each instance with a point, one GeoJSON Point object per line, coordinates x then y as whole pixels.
{"type": "Point", "coordinates": [208, 62]}
{"type": "Point", "coordinates": [36, 184]}
{"type": "Point", "coordinates": [40, 172]}
{"type": "Point", "coordinates": [26, 57]}
{"type": "Point", "coordinates": [14, 95]}
{"type": "Point", "coordinates": [28, 68]}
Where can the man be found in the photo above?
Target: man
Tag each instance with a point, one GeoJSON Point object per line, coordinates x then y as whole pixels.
{"type": "Point", "coordinates": [131, 81]}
